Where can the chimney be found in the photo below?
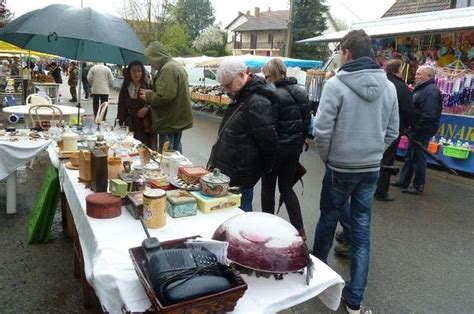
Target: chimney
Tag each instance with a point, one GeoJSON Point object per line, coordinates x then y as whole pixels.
{"type": "Point", "coordinates": [257, 11]}
{"type": "Point", "coordinates": [248, 12]}
{"type": "Point", "coordinates": [240, 13]}
{"type": "Point", "coordinates": [269, 9]}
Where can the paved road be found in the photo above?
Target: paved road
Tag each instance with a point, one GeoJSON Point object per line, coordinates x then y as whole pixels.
{"type": "Point", "coordinates": [422, 246]}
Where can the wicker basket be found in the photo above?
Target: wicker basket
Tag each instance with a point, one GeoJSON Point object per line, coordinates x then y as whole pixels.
{"type": "Point", "coordinates": [224, 301]}
{"type": "Point", "coordinates": [215, 99]}
{"type": "Point", "coordinates": [456, 152]}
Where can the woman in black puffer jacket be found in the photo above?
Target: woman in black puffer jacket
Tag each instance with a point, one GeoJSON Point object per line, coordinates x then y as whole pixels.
{"type": "Point", "coordinates": [293, 112]}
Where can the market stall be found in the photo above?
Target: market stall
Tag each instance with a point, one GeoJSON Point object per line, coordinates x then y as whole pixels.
{"type": "Point", "coordinates": [101, 243]}
{"type": "Point", "coordinates": [213, 95]}
{"type": "Point", "coordinates": [444, 40]}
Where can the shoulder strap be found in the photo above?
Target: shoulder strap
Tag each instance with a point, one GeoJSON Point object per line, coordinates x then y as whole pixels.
{"type": "Point", "coordinates": [228, 120]}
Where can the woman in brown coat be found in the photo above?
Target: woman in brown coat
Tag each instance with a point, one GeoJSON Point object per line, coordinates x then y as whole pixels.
{"type": "Point", "coordinates": [132, 111]}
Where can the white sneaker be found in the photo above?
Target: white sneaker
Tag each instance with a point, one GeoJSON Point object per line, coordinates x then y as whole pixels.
{"type": "Point", "coordinates": [351, 311]}
{"type": "Point", "coordinates": [361, 310]}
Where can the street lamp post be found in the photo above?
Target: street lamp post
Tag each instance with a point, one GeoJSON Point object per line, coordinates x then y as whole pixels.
{"type": "Point", "coordinates": [289, 30]}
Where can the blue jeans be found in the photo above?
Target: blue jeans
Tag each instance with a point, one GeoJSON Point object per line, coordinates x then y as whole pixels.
{"type": "Point", "coordinates": [415, 164]}
{"type": "Point", "coordinates": [360, 188]}
{"type": "Point", "coordinates": [326, 227]}
{"type": "Point", "coordinates": [174, 139]}
{"type": "Point", "coordinates": [246, 200]}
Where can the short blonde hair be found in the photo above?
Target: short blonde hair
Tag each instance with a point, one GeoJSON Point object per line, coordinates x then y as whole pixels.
{"type": "Point", "coordinates": [275, 68]}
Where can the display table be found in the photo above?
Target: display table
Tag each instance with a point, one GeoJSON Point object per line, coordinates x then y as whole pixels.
{"type": "Point", "coordinates": [12, 156]}
{"type": "Point", "coordinates": [107, 266]}
{"type": "Point", "coordinates": [51, 89]}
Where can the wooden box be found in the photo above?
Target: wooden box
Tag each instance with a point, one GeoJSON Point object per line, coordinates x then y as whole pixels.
{"type": "Point", "coordinates": [99, 178]}
{"type": "Point", "coordinates": [191, 175]}
{"type": "Point", "coordinates": [84, 165]}
{"type": "Point", "coordinates": [134, 204]}
{"type": "Point", "coordinates": [220, 302]}
{"type": "Point", "coordinates": [180, 204]}
{"type": "Point", "coordinates": [118, 187]}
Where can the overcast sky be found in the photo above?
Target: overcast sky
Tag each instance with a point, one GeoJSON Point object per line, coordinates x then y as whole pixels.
{"type": "Point", "coordinates": [225, 10]}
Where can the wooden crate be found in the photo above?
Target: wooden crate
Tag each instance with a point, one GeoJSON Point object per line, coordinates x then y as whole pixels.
{"type": "Point", "coordinates": [215, 99]}
{"type": "Point", "coordinates": [225, 100]}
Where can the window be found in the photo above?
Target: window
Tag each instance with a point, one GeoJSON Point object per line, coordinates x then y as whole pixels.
{"type": "Point", "coordinates": [270, 38]}
{"type": "Point", "coordinates": [464, 3]}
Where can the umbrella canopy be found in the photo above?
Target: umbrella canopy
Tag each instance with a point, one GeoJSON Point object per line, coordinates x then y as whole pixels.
{"type": "Point", "coordinates": [75, 33]}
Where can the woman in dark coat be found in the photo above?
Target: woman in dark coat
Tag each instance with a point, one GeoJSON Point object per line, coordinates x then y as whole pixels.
{"type": "Point", "coordinates": [293, 111]}
{"type": "Point", "coordinates": [132, 111]}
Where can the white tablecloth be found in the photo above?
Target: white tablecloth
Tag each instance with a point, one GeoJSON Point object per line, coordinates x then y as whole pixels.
{"type": "Point", "coordinates": [24, 109]}
{"type": "Point", "coordinates": [108, 267]}
{"type": "Point", "coordinates": [16, 154]}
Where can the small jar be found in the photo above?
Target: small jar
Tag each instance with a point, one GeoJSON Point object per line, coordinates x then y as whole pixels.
{"type": "Point", "coordinates": [69, 141]}
{"type": "Point", "coordinates": [114, 167]}
{"type": "Point", "coordinates": [154, 208]}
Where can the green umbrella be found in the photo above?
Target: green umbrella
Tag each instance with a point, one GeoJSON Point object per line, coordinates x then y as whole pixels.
{"type": "Point", "coordinates": [75, 33]}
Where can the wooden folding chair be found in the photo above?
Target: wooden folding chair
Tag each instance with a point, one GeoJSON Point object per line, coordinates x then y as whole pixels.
{"type": "Point", "coordinates": [36, 111]}
{"type": "Point", "coordinates": [101, 112]}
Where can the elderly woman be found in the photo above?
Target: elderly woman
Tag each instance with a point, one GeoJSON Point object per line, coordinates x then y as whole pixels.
{"type": "Point", "coordinates": [133, 111]}
{"type": "Point", "coordinates": [247, 141]}
{"type": "Point", "coordinates": [293, 112]}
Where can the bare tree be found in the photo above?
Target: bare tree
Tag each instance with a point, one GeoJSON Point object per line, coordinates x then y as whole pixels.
{"type": "Point", "coordinates": [147, 17]}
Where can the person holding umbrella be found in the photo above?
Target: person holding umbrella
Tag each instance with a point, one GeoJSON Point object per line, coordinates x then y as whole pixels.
{"type": "Point", "coordinates": [293, 111]}
{"type": "Point", "coordinates": [428, 105]}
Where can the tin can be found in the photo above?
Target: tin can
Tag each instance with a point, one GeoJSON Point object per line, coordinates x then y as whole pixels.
{"type": "Point", "coordinates": [154, 208]}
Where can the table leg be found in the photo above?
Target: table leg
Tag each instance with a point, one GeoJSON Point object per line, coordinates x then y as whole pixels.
{"type": "Point", "coordinates": [11, 193]}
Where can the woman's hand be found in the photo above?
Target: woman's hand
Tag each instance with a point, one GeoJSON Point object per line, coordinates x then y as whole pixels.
{"type": "Point", "coordinates": [142, 112]}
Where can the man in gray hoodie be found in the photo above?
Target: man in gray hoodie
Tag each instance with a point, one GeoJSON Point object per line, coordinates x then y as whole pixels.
{"type": "Point", "coordinates": [356, 121]}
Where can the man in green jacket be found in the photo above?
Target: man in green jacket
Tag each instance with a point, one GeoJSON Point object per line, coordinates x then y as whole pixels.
{"type": "Point", "coordinates": [169, 100]}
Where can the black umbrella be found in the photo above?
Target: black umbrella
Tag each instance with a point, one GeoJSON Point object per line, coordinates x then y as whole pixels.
{"type": "Point", "coordinates": [433, 156]}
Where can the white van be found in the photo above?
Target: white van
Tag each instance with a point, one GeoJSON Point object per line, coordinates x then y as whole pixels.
{"type": "Point", "coordinates": [201, 77]}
